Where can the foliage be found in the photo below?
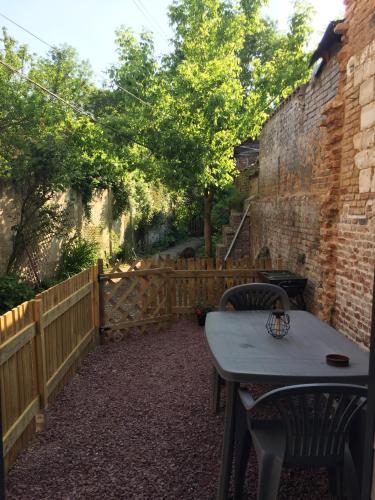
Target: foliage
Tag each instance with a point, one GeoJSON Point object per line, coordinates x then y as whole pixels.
{"type": "Point", "coordinates": [13, 291]}
{"type": "Point", "coordinates": [273, 63]}
{"type": "Point", "coordinates": [127, 253]}
{"type": "Point", "coordinates": [77, 255]}
{"type": "Point", "coordinates": [46, 283]}
{"type": "Point", "coordinates": [225, 201]}
{"type": "Point", "coordinates": [228, 70]}
{"type": "Point", "coordinates": [165, 130]}
{"type": "Point", "coordinates": [46, 148]}
{"type": "Point", "coordinates": [202, 308]}
{"type": "Point", "coordinates": [38, 136]}
{"type": "Point", "coordinates": [185, 207]}
{"type": "Point", "coordinates": [201, 95]}
{"type": "Point", "coordinates": [217, 239]}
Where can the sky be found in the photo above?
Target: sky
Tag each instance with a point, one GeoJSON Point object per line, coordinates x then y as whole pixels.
{"type": "Point", "coordinates": [89, 25]}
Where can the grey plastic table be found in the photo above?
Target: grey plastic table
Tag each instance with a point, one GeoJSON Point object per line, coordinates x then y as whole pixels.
{"type": "Point", "coordinates": [243, 352]}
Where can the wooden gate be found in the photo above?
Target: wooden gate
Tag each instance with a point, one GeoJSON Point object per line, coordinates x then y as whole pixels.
{"type": "Point", "coordinates": [134, 300]}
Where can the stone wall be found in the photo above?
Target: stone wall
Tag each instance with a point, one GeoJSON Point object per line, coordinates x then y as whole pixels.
{"type": "Point", "coordinates": [242, 182]}
{"type": "Point", "coordinates": [99, 226]}
{"type": "Point", "coordinates": [317, 180]}
{"type": "Point", "coordinates": [9, 206]}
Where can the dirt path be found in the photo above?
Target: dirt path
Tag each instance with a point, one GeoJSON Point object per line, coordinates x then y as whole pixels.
{"type": "Point", "coordinates": [191, 242]}
{"type": "Point", "coordinates": [134, 423]}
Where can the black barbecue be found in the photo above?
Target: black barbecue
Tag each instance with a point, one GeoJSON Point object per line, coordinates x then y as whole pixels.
{"type": "Point", "coordinates": [293, 284]}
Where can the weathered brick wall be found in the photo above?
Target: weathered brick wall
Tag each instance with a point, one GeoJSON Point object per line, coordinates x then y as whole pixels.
{"type": "Point", "coordinates": [246, 181]}
{"type": "Point", "coordinates": [317, 180]}
{"type": "Point", "coordinates": [242, 182]}
{"type": "Point", "coordinates": [356, 228]}
{"type": "Point", "coordinates": [285, 216]}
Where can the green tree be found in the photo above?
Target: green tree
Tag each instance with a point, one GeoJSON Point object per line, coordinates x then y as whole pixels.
{"type": "Point", "coordinates": [173, 123]}
{"type": "Point", "coordinates": [45, 147]}
{"type": "Point", "coordinates": [228, 69]}
{"type": "Point", "coordinates": [203, 96]}
{"type": "Point", "coordinates": [217, 88]}
{"type": "Point", "coordinates": [273, 63]}
{"type": "Point", "coordinates": [128, 107]}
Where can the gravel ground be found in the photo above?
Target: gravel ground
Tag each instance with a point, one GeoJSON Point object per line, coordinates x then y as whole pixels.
{"type": "Point", "coordinates": [134, 423]}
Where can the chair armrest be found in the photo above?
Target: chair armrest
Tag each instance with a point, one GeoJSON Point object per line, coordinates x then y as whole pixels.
{"type": "Point", "coordinates": [246, 399]}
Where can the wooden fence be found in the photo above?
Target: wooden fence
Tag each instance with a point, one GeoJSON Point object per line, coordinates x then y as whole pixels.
{"type": "Point", "coordinates": [41, 343]}
{"type": "Point", "coordinates": [144, 299]}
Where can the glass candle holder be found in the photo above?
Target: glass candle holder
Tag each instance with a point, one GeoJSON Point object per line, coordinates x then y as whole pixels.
{"type": "Point", "coordinates": [278, 324]}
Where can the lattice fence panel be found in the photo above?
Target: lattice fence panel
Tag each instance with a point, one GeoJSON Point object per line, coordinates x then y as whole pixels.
{"type": "Point", "coordinates": [134, 301]}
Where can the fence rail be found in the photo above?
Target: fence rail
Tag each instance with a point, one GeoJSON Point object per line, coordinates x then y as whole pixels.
{"type": "Point", "coordinates": [200, 263]}
{"type": "Point", "coordinates": [41, 343]}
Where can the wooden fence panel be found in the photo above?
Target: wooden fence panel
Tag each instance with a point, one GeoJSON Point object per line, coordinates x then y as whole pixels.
{"type": "Point", "coordinates": [41, 343]}
{"type": "Point", "coordinates": [18, 378]}
{"type": "Point", "coordinates": [204, 287]}
{"type": "Point", "coordinates": [69, 324]}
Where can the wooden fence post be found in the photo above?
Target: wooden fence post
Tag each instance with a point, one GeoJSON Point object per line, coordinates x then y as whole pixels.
{"type": "Point", "coordinates": [95, 302]}
{"type": "Point", "coordinates": [101, 298]}
{"type": "Point", "coordinates": [41, 367]}
{"type": "Point", "coordinates": [168, 291]}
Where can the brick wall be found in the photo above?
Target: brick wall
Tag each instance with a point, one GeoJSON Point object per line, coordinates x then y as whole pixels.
{"type": "Point", "coordinates": [242, 182]}
{"type": "Point", "coordinates": [356, 228]}
{"type": "Point", "coordinates": [285, 216]}
{"type": "Point", "coordinates": [317, 180]}
{"type": "Point", "coordinates": [247, 156]}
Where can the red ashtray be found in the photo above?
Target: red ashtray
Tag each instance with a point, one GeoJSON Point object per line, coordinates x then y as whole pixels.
{"type": "Point", "coordinates": [337, 360]}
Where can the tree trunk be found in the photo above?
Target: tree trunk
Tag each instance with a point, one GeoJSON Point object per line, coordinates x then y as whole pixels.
{"type": "Point", "coordinates": [207, 223]}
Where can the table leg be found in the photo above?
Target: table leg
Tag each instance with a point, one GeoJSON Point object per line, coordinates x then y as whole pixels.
{"type": "Point", "coordinates": [228, 441]}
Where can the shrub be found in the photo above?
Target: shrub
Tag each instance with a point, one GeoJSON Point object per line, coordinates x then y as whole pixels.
{"type": "Point", "coordinates": [13, 291]}
{"type": "Point", "coordinates": [126, 254]}
{"type": "Point", "coordinates": [76, 255]}
{"type": "Point", "coordinates": [46, 283]}
{"type": "Point", "coordinates": [224, 202]}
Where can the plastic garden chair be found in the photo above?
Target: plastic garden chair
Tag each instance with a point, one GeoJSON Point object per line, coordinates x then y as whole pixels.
{"type": "Point", "coordinates": [308, 426]}
{"type": "Point", "coordinates": [248, 297]}
{"type": "Point", "coordinates": [255, 296]}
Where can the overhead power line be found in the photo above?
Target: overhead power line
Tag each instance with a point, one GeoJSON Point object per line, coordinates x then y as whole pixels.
{"type": "Point", "coordinates": [75, 107]}
{"type": "Point", "coordinates": [53, 47]}
{"type": "Point", "coordinates": [156, 22]}
{"type": "Point", "coordinates": [28, 31]}
{"type": "Point", "coordinates": [143, 10]}
{"type": "Point", "coordinates": [133, 95]}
